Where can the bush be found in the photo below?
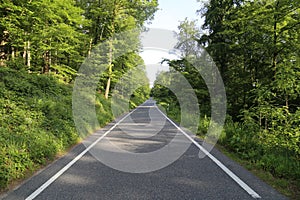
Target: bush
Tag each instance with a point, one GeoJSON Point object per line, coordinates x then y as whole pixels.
{"type": "Point", "coordinates": [36, 121]}
{"type": "Point", "coordinates": [254, 145]}
{"type": "Point", "coordinates": [280, 164]}
{"type": "Point", "coordinates": [14, 162]}
{"type": "Point", "coordinates": [203, 125]}
{"type": "Point", "coordinates": [275, 148]}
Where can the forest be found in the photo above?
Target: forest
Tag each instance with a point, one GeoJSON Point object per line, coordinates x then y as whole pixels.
{"type": "Point", "coordinates": [255, 46]}
{"type": "Point", "coordinates": [43, 44]}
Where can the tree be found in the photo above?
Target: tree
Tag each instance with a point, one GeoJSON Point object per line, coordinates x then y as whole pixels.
{"type": "Point", "coordinates": [12, 26]}
{"type": "Point", "coordinates": [187, 38]}
{"type": "Point", "coordinates": [46, 32]}
{"type": "Point", "coordinates": [110, 18]}
{"type": "Point", "coordinates": [58, 33]}
{"type": "Point", "coordinates": [255, 45]}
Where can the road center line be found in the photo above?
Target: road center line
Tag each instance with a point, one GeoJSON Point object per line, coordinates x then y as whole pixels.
{"type": "Point", "coordinates": [147, 107]}
{"type": "Point", "coordinates": [241, 183]}
{"type": "Point", "coordinates": [65, 168]}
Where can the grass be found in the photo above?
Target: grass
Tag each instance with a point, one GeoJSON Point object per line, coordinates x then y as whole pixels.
{"type": "Point", "coordinates": [240, 144]}
{"type": "Point", "coordinates": [287, 187]}
{"type": "Point", "coordinates": [36, 122]}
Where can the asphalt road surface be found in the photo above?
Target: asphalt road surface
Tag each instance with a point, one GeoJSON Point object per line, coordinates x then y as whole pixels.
{"type": "Point", "coordinates": [143, 155]}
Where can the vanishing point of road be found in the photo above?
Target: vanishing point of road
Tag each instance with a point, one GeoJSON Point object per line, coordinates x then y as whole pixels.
{"type": "Point", "coordinates": [80, 175]}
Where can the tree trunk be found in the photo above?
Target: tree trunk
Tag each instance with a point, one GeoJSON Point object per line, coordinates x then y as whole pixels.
{"type": "Point", "coordinates": [96, 31]}
{"type": "Point", "coordinates": [275, 38]}
{"type": "Point", "coordinates": [107, 87]}
{"type": "Point", "coordinates": [28, 54]}
{"type": "Point", "coordinates": [110, 62]}
{"type": "Point", "coordinates": [46, 68]}
{"type": "Point", "coordinates": [110, 65]}
{"type": "Point", "coordinates": [2, 59]}
{"type": "Point", "coordinates": [13, 53]}
{"type": "Point", "coordinates": [90, 48]}
{"type": "Point", "coordinates": [55, 62]}
{"type": "Point", "coordinates": [3, 52]}
{"type": "Point", "coordinates": [24, 53]}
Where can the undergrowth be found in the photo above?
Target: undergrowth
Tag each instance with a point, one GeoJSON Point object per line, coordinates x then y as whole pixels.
{"type": "Point", "coordinates": [262, 150]}
{"type": "Point", "coordinates": [36, 121]}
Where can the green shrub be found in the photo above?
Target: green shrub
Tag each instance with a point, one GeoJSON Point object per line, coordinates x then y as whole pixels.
{"type": "Point", "coordinates": [35, 122]}
{"type": "Point", "coordinates": [14, 162]}
{"type": "Point", "coordinates": [42, 146]}
{"type": "Point", "coordinates": [280, 164]}
{"type": "Point", "coordinates": [203, 125]}
{"type": "Point", "coordinates": [254, 145]}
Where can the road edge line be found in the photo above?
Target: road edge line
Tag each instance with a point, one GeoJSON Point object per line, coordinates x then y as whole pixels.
{"type": "Point", "coordinates": [71, 163]}
{"type": "Point", "coordinates": [239, 181]}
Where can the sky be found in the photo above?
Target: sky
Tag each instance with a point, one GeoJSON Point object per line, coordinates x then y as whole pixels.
{"type": "Point", "coordinates": [173, 11]}
{"type": "Point", "coordinates": [168, 17]}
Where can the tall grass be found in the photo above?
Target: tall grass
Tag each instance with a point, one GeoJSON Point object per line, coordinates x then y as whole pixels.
{"type": "Point", "coordinates": [36, 121]}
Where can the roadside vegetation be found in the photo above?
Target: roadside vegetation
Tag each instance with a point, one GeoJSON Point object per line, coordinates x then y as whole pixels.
{"type": "Point", "coordinates": [255, 46]}
{"type": "Point", "coordinates": [42, 46]}
{"type": "Point", "coordinates": [36, 121]}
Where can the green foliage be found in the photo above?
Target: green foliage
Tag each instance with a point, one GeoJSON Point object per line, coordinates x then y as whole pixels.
{"type": "Point", "coordinates": [255, 45]}
{"type": "Point", "coordinates": [46, 33]}
{"type": "Point", "coordinates": [140, 96]}
{"type": "Point", "coordinates": [241, 139]}
{"type": "Point", "coordinates": [52, 38]}
{"type": "Point", "coordinates": [14, 162]}
{"type": "Point", "coordinates": [166, 98]}
{"type": "Point", "coordinates": [110, 19]}
{"type": "Point", "coordinates": [103, 109]}
{"type": "Point", "coordinates": [203, 125]}
{"type": "Point", "coordinates": [64, 73]}
{"type": "Point", "coordinates": [36, 122]}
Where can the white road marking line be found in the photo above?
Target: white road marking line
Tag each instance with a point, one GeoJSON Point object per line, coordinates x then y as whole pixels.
{"type": "Point", "coordinates": [241, 183]}
{"type": "Point", "coordinates": [64, 169]}
{"type": "Point", "coordinates": [215, 160]}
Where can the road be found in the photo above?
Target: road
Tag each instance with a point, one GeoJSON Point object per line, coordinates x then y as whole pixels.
{"type": "Point", "coordinates": [117, 162]}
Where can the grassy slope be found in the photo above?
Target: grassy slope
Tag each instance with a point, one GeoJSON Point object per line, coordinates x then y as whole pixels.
{"type": "Point", "coordinates": [36, 122]}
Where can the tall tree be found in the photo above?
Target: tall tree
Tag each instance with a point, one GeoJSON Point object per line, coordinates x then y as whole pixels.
{"type": "Point", "coordinates": [58, 32]}
{"type": "Point", "coordinates": [46, 32]}
{"type": "Point", "coordinates": [188, 35]}
{"type": "Point", "coordinates": [112, 17]}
